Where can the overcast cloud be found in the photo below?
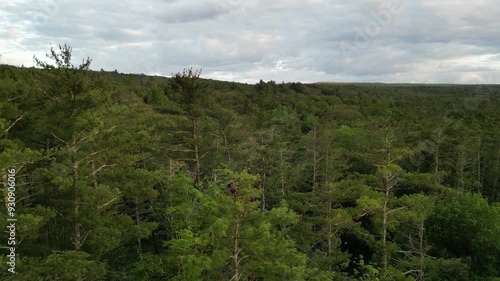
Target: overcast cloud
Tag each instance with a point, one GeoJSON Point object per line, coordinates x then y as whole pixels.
{"type": "Point", "coordinates": [427, 41]}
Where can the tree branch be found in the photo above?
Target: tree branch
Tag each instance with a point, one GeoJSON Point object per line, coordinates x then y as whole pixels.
{"type": "Point", "coordinates": [109, 202]}
{"type": "Point", "coordinates": [6, 131]}
{"type": "Point", "coordinates": [100, 168]}
{"type": "Point", "coordinates": [394, 210]}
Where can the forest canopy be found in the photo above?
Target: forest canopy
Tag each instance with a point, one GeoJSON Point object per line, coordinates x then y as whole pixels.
{"type": "Point", "coordinates": [136, 177]}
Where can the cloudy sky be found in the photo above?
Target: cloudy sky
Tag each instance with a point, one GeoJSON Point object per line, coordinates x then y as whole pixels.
{"type": "Point", "coordinates": [423, 41]}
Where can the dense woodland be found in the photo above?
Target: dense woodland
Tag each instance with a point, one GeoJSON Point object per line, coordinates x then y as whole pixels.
{"type": "Point", "coordinates": [133, 177]}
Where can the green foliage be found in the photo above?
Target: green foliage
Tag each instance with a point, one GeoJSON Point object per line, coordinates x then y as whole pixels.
{"type": "Point", "coordinates": [447, 269]}
{"type": "Point", "coordinates": [63, 266]}
{"type": "Point", "coordinates": [130, 177]}
{"type": "Point", "coordinates": [465, 226]}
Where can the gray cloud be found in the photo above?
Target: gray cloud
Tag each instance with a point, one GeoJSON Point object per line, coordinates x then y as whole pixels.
{"type": "Point", "coordinates": [450, 41]}
{"type": "Point", "coordinates": [190, 11]}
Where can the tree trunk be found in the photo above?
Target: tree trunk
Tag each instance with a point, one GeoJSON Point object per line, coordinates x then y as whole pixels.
{"type": "Point", "coordinates": [388, 147]}
{"type": "Point", "coordinates": [330, 228]}
{"type": "Point", "coordinates": [236, 252]}
{"type": "Point", "coordinates": [385, 214]}
{"type": "Point", "coordinates": [77, 235]}
{"type": "Point", "coordinates": [438, 139]}
{"type": "Point", "coordinates": [479, 179]}
{"type": "Point", "coordinates": [197, 176]}
{"type": "Point", "coordinates": [282, 172]}
{"type": "Point", "coordinates": [93, 173]}
{"type": "Point", "coordinates": [315, 166]}
{"type": "Point", "coordinates": [327, 165]}
{"type": "Point", "coordinates": [226, 146]}
{"type": "Point", "coordinates": [495, 180]}
{"type": "Point", "coordinates": [421, 270]}
{"type": "Point", "coordinates": [461, 162]}
{"type": "Point", "coordinates": [263, 173]}
{"type": "Point", "coordinates": [138, 222]}
{"type": "Point", "coordinates": [330, 233]}
{"type": "Point", "coordinates": [170, 170]}
{"type": "Point", "coordinates": [436, 162]}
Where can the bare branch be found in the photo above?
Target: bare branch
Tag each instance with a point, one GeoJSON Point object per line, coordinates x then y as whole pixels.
{"type": "Point", "coordinates": [26, 197]}
{"type": "Point", "coordinates": [397, 209]}
{"type": "Point", "coordinates": [15, 98]}
{"type": "Point", "coordinates": [59, 213]}
{"type": "Point", "coordinates": [12, 125]}
{"type": "Point", "coordinates": [100, 168]}
{"type": "Point", "coordinates": [109, 202]}
{"type": "Point", "coordinates": [61, 140]}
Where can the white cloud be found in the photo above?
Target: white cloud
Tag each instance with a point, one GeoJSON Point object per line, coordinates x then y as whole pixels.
{"type": "Point", "coordinates": [451, 41]}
